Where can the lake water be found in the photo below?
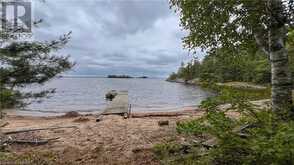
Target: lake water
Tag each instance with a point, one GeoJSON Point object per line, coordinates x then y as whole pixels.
{"type": "Point", "coordinates": [88, 95]}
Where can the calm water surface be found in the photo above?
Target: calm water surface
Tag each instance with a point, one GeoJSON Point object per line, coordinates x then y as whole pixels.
{"type": "Point", "coordinates": [87, 95]}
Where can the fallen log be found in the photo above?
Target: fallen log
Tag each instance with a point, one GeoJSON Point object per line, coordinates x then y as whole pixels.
{"type": "Point", "coordinates": [33, 142]}
{"type": "Point", "coordinates": [35, 129]}
{"type": "Point", "coordinates": [162, 114]}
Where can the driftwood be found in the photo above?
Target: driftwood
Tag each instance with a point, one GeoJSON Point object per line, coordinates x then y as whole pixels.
{"type": "Point", "coordinates": [163, 122]}
{"type": "Point", "coordinates": [161, 114]}
{"type": "Point", "coordinates": [35, 129]}
{"type": "Point", "coordinates": [4, 124]}
{"type": "Point", "coordinates": [36, 142]}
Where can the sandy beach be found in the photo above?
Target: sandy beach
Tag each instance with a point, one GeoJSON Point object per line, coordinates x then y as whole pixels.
{"type": "Point", "coordinates": [113, 140]}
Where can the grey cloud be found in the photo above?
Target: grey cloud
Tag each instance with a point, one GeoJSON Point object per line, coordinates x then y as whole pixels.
{"type": "Point", "coordinates": [115, 36]}
{"type": "Point", "coordinates": [134, 16]}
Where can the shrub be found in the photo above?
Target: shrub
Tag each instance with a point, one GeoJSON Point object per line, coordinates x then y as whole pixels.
{"type": "Point", "coordinates": [9, 98]}
{"type": "Point", "coordinates": [253, 136]}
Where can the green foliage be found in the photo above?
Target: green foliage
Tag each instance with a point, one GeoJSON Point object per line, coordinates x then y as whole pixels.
{"type": "Point", "coordinates": [291, 37]}
{"type": "Point", "coordinates": [252, 136]}
{"type": "Point", "coordinates": [172, 76]}
{"type": "Point", "coordinates": [223, 66]}
{"type": "Point", "coordinates": [194, 127]}
{"type": "Point", "coordinates": [187, 72]}
{"type": "Point", "coordinates": [209, 22]}
{"type": "Point", "coordinates": [9, 98]}
{"type": "Point", "coordinates": [230, 24]}
{"type": "Point", "coordinates": [175, 154]}
{"type": "Point", "coordinates": [244, 94]}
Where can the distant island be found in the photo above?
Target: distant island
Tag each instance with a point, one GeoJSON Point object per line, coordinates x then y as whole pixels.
{"type": "Point", "coordinates": [124, 76]}
{"type": "Point", "coordinates": [143, 77]}
{"type": "Point", "coordinates": [119, 76]}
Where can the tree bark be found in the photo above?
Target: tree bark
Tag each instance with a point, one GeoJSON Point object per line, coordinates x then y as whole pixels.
{"type": "Point", "coordinates": [281, 77]}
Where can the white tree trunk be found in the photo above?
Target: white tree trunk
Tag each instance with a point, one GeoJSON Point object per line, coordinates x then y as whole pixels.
{"type": "Point", "coordinates": [281, 77]}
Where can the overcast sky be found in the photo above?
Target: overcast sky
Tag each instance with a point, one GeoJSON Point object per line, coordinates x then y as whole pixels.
{"type": "Point", "coordinates": [135, 37]}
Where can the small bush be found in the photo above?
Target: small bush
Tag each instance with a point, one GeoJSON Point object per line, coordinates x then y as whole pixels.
{"type": "Point", "coordinates": [8, 98]}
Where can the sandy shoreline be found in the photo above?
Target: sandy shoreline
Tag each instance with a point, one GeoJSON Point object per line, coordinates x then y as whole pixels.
{"type": "Point", "coordinates": [113, 140]}
{"type": "Point", "coordinates": [31, 113]}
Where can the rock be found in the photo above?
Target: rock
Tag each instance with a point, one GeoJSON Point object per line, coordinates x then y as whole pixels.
{"type": "Point", "coordinates": [126, 115]}
{"type": "Point", "coordinates": [99, 118]}
{"type": "Point", "coordinates": [163, 123]}
{"type": "Point", "coordinates": [110, 95]}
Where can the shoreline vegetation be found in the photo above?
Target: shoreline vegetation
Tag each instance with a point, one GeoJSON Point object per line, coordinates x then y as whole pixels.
{"type": "Point", "coordinates": [237, 85]}
{"type": "Point", "coordinates": [257, 94]}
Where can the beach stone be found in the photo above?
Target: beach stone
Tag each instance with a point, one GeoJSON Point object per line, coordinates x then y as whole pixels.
{"type": "Point", "coordinates": [163, 122]}
{"type": "Point", "coordinates": [99, 118]}
{"type": "Point", "coordinates": [126, 115]}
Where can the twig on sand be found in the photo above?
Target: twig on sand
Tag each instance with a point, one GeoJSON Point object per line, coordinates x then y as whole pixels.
{"type": "Point", "coordinates": [35, 129]}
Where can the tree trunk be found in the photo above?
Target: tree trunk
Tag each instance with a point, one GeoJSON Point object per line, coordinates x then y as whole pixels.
{"type": "Point", "coordinates": [281, 77]}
